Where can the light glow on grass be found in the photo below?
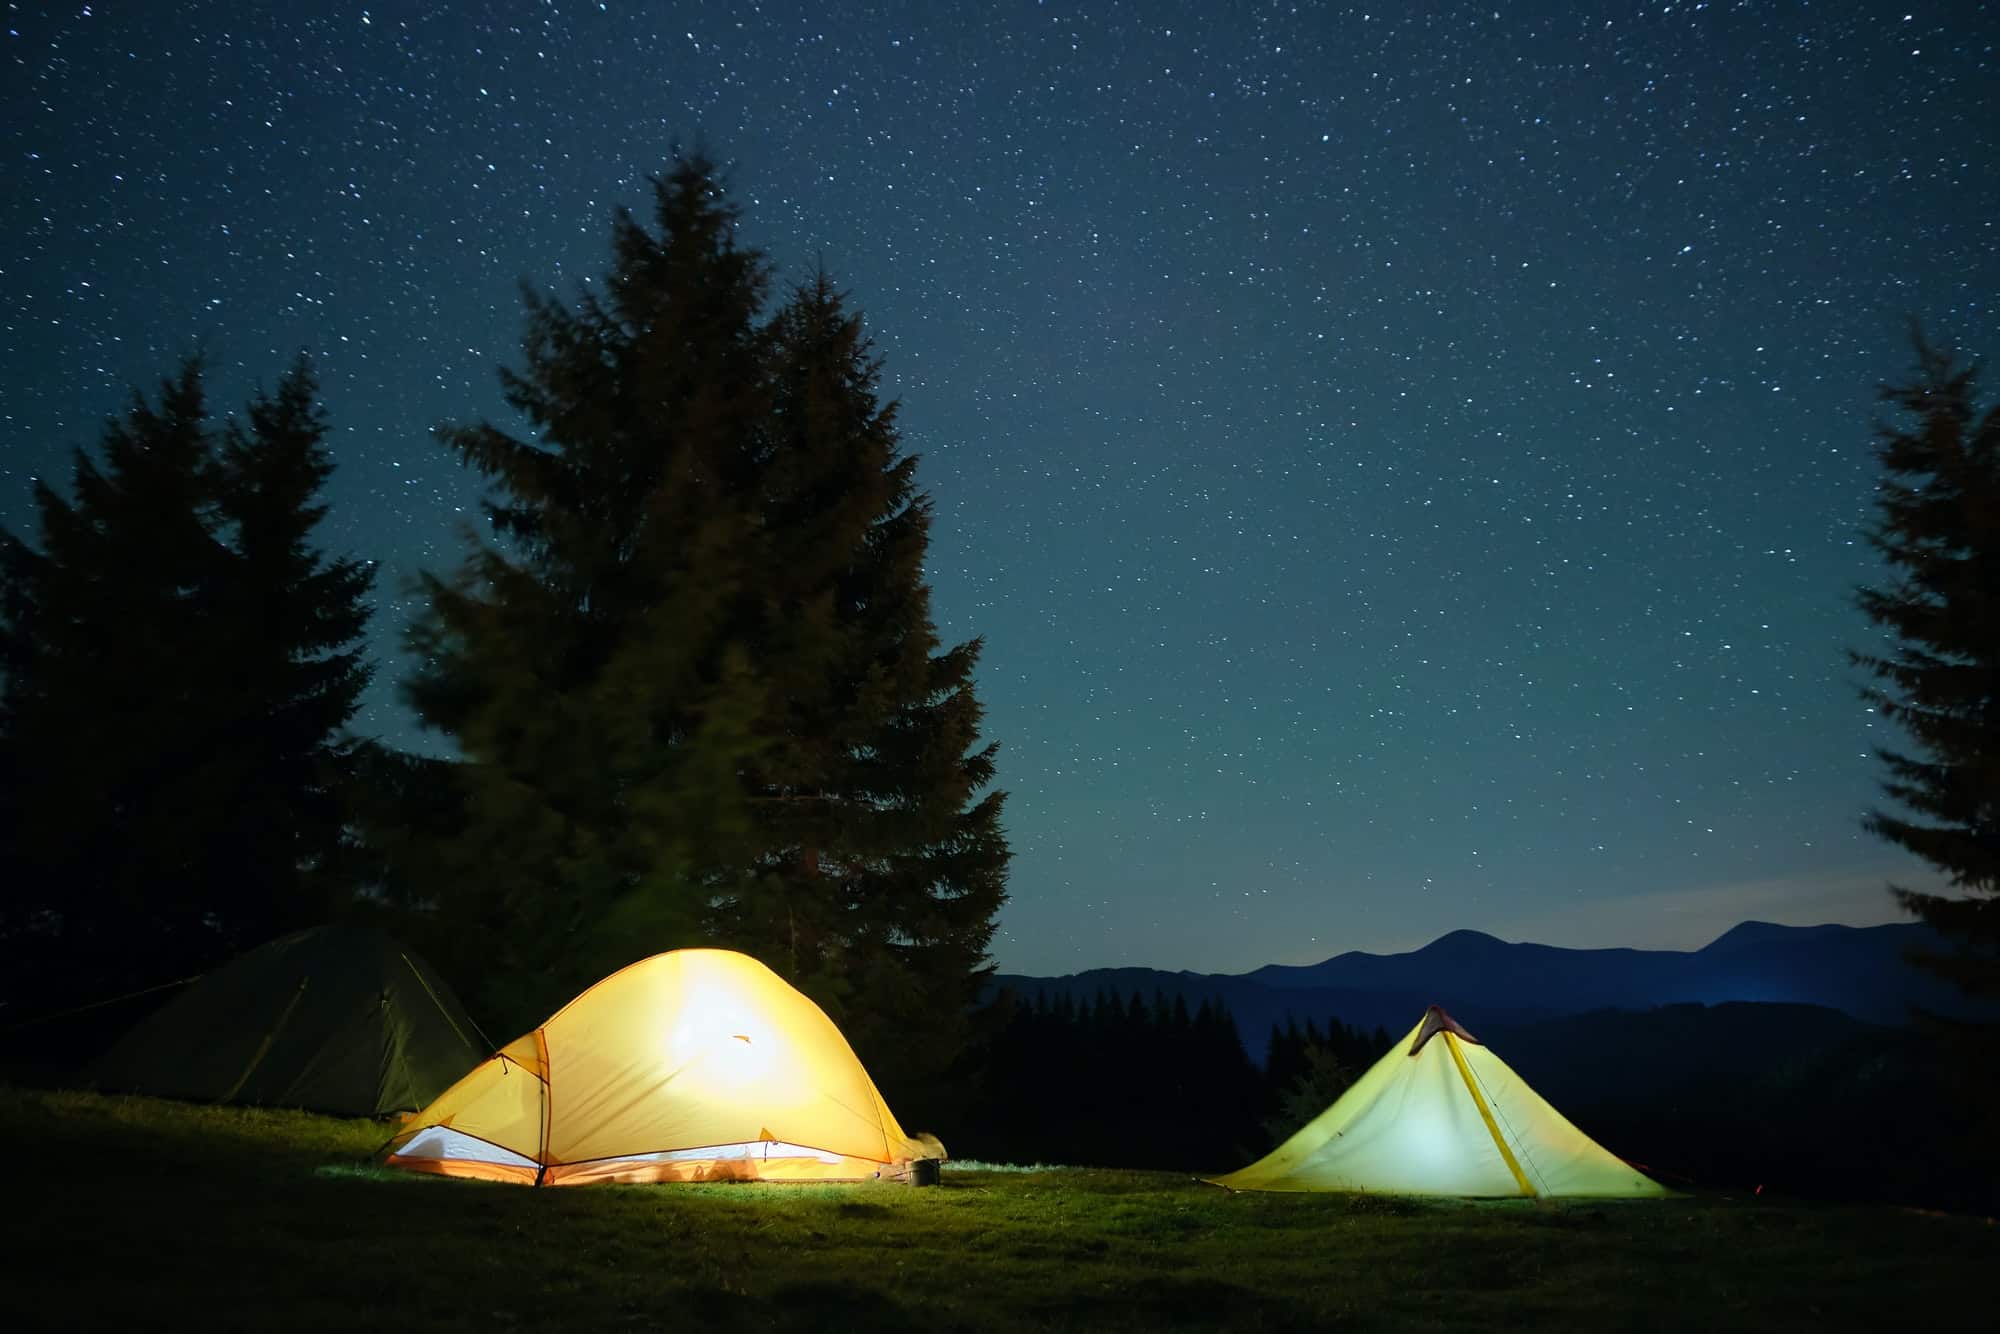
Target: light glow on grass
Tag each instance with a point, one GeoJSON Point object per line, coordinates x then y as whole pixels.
{"type": "Point", "coordinates": [974, 1165]}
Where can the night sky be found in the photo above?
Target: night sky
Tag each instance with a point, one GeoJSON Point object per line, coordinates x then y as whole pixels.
{"type": "Point", "coordinates": [1407, 463]}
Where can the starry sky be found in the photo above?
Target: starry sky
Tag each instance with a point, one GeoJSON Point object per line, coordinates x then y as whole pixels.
{"type": "Point", "coordinates": [1407, 461]}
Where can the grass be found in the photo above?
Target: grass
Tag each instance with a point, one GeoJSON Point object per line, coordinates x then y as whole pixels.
{"type": "Point", "coordinates": [132, 1213]}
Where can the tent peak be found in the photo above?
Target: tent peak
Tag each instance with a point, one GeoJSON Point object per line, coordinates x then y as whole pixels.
{"type": "Point", "coordinates": [1436, 1021]}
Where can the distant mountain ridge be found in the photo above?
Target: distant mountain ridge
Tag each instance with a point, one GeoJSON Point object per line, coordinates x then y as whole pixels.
{"type": "Point", "coordinates": [1863, 972]}
{"type": "Point", "coordinates": [1773, 1054]}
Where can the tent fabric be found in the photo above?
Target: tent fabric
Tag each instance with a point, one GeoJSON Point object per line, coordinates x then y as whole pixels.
{"type": "Point", "coordinates": [336, 1019]}
{"type": "Point", "coordinates": [1440, 1114]}
{"type": "Point", "coordinates": [695, 1065]}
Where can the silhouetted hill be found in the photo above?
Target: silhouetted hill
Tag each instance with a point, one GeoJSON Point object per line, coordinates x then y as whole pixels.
{"type": "Point", "coordinates": [1863, 971]}
{"type": "Point", "coordinates": [1489, 984]}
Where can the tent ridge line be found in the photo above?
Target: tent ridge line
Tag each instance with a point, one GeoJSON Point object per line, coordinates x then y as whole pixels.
{"type": "Point", "coordinates": [1527, 1156]}
{"type": "Point", "coordinates": [616, 973]}
{"type": "Point", "coordinates": [424, 982]}
{"type": "Point", "coordinates": [1486, 1115]}
{"type": "Point", "coordinates": [264, 1047]}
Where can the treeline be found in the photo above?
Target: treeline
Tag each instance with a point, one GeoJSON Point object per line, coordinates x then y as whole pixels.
{"type": "Point", "coordinates": [178, 662]}
{"type": "Point", "coordinates": [687, 678]}
{"type": "Point", "coordinates": [1124, 1081]}
{"type": "Point", "coordinates": [1893, 1116]}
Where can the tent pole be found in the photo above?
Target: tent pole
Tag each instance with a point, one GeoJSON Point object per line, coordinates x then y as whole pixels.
{"type": "Point", "coordinates": [548, 1096]}
{"type": "Point", "coordinates": [1486, 1115]}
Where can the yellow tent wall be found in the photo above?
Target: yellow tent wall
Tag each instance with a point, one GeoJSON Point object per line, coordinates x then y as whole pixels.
{"type": "Point", "coordinates": [694, 1065]}
{"type": "Point", "coordinates": [1440, 1114]}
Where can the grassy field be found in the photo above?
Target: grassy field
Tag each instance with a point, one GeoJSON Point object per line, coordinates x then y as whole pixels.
{"type": "Point", "coordinates": [129, 1213]}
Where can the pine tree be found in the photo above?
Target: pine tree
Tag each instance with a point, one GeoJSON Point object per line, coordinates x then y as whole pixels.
{"type": "Point", "coordinates": [590, 665]}
{"type": "Point", "coordinates": [287, 645]}
{"type": "Point", "coordinates": [170, 695]}
{"type": "Point", "coordinates": [1321, 1081]}
{"type": "Point", "coordinates": [106, 717]}
{"type": "Point", "coordinates": [1939, 530]}
{"type": "Point", "coordinates": [879, 865]}
{"type": "Point", "coordinates": [694, 679]}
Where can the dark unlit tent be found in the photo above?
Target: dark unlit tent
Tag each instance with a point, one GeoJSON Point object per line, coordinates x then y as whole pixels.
{"type": "Point", "coordinates": [334, 1019]}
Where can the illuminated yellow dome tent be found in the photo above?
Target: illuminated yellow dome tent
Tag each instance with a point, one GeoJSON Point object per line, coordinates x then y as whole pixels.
{"type": "Point", "coordinates": [696, 1065]}
{"type": "Point", "coordinates": [1442, 1115]}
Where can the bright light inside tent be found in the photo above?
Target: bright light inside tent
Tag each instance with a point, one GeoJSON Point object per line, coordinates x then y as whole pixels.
{"type": "Point", "coordinates": [741, 1058]}
{"type": "Point", "coordinates": [720, 1039]}
{"type": "Point", "coordinates": [1427, 1137]}
{"type": "Point", "coordinates": [703, 1027]}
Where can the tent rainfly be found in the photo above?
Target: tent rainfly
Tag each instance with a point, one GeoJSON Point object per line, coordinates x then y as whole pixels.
{"type": "Point", "coordinates": [1440, 1114]}
{"type": "Point", "coordinates": [335, 1019]}
{"type": "Point", "coordinates": [694, 1065]}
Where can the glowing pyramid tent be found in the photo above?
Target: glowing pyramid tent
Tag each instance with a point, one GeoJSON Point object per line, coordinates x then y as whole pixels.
{"type": "Point", "coordinates": [336, 1019]}
{"type": "Point", "coordinates": [1440, 1114]}
{"type": "Point", "coordinates": [696, 1065]}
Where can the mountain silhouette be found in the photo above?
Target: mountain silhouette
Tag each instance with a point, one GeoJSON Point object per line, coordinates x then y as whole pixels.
{"type": "Point", "coordinates": [1774, 1056]}
{"type": "Point", "coordinates": [1863, 973]}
